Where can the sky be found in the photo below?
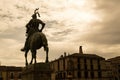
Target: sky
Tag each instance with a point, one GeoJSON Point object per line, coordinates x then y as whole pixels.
{"type": "Point", "coordinates": [93, 24]}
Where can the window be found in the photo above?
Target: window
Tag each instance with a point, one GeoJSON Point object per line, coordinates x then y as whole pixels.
{"type": "Point", "coordinates": [78, 60]}
{"type": "Point", "coordinates": [58, 66]}
{"type": "Point", "coordinates": [69, 73]}
{"type": "Point", "coordinates": [53, 66]}
{"type": "Point", "coordinates": [85, 61]}
{"type": "Point", "coordinates": [99, 67]}
{"type": "Point", "coordinates": [92, 74]}
{"type": "Point", "coordinates": [64, 64]}
{"type": "Point", "coordinates": [99, 61]}
{"type": "Point", "coordinates": [85, 66]}
{"type": "Point", "coordinates": [19, 76]}
{"type": "Point", "coordinates": [86, 74]}
{"type": "Point", "coordinates": [1, 76]}
{"type": "Point", "coordinates": [99, 74]}
{"type": "Point", "coordinates": [64, 75]}
{"type": "Point", "coordinates": [56, 76]}
{"type": "Point", "coordinates": [11, 75]}
{"type": "Point", "coordinates": [119, 66]}
{"type": "Point", "coordinates": [60, 75]}
{"type": "Point", "coordinates": [119, 71]}
{"type": "Point", "coordinates": [70, 64]}
{"type": "Point", "coordinates": [91, 61]}
{"type": "Point", "coordinates": [116, 78]}
{"type": "Point", "coordinates": [78, 66]}
{"type": "Point", "coordinates": [91, 67]}
{"type": "Point", "coordinates": [79, 74]}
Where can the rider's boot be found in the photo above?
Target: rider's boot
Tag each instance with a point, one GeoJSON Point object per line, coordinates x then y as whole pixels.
{"type": "Point", "coordinates": [23, 49]}
{"type": "Point", "coordinates": [25, 46]}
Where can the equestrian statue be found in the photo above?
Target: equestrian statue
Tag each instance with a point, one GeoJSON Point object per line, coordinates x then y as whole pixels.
{"type": "Point", "coordinates": [35, 38]}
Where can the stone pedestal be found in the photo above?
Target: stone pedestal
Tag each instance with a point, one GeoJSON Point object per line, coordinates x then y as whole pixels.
{"type": "Point", "coordinates": [38, 71]}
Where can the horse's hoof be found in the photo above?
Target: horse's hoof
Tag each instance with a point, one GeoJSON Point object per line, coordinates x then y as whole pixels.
{"type": "Point", "coordinates": [26, 64]}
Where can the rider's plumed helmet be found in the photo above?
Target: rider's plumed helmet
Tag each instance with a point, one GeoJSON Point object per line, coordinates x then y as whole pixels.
{"type": "Point", "coordinates": [35, 13]}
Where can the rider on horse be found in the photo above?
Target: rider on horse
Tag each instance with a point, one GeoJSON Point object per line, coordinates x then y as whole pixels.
{"type": "Point", "coordinates": [34, 25]}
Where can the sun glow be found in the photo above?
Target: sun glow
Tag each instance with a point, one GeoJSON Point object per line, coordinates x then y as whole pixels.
{"type": "Point", "coordinates": [75, 11]}
{"type": "Point", "coordinates": [79, 15]}
{"type": "Point", "coordinates": [83, 10]}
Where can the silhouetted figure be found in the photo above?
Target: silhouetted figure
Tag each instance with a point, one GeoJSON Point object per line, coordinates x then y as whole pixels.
{"type": "Point", "coordinates": [36, 41]}
{"type": "Point", "coordinates": [33, 24]}
{"type": "Point", "coordinates": [35, 38]}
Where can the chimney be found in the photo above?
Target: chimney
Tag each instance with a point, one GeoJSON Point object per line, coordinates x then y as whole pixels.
{"type": "Point", "coordinates": [80, 50]}
{"type": "Point", "coordinates": [64, 54]}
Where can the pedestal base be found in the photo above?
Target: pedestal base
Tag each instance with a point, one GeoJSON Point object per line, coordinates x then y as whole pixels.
{"type": "Point", "coordinates": [38, 71]}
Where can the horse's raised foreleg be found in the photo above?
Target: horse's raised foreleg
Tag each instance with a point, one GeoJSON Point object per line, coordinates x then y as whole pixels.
{"type": "Point", "coordinates": [26, 57]}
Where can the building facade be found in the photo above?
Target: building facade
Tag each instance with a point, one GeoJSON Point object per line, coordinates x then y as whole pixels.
{"type": "Point", "coordinates": [10, 73]}
{"type": "Point", "coordinates": [79, 66]}
{"type": "Point", "coordinates": [114, 65]}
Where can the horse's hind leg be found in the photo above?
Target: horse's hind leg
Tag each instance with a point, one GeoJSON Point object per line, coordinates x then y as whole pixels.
{"type": "Point", "coordinates": [33, 56]}
{"type": "Point", "coordinates": [26, 57]}
{"type": "Point", "coordinates": [47, 50]}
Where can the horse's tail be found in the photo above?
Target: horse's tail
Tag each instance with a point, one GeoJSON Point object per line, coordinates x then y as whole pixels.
{"type": "Point", "coordinates": [44, 39]}
{"type": "Point", "coordinates": [45, 42]}
{"type": "Point", "coordinates": [46, 48]}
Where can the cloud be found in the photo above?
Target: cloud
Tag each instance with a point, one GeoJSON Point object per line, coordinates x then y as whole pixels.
{"type": "Point", "coordinates": [94, 24]}
{"type": "Point", "coordinates": [56, 31]}
{"type": "Point", "coordinates": [107, 31]}
{"type": "Point", "coordinates": [102, 36]}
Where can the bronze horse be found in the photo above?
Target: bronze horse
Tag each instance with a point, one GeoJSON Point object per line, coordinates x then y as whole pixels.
{"type": "Point", "coordinates": [36, 41]}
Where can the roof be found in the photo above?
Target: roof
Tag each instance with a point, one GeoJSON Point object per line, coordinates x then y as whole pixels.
{"type": "Point", "coordinates": [115, 59]}
{"type": "Point", "coordinates": [87, 55]}
{"type": "Point", "coordinates": [10, 68]}
{"type": "Point", "coordinates": [91, 56]}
